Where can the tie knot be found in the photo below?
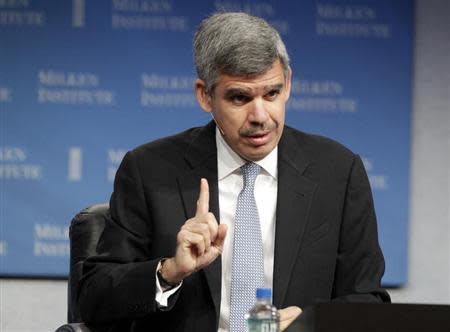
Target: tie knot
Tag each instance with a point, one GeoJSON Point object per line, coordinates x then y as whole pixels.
{"type": "Point", "coordinates": [250, 171]}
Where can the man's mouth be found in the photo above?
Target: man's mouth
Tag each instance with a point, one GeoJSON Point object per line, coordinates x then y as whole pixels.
{"type": "Point", "coordinates": [258, 138]}
{"type": "Point", "coordinates": [258, 135]}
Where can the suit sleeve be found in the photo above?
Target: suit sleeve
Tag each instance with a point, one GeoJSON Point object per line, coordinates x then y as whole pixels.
{"type": "Point", "coordinates": [119, 283]}
{"type": "Point", "coordinates": [360, 262]}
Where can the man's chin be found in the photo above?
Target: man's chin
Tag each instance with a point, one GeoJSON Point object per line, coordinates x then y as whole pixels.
{"type": "Point", "coordinates": [256, 153]}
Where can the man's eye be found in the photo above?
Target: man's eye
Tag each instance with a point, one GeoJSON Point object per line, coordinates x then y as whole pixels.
{"type": "Point", "coordinates": [239, 99]}
{"type": "Point", "coordinates": [272, 94]}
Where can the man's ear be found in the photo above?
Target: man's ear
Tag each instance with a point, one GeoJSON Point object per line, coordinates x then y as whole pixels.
{"type": "Point", "coordinates": [202, 95]}
{"type": "Point", "coordinates": [288, 84]}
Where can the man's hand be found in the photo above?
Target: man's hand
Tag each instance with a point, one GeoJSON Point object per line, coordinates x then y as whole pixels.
{"type": "Point", "coordinates": [288, 315]}
{"type": "Point", "coordinates": [199, 242]}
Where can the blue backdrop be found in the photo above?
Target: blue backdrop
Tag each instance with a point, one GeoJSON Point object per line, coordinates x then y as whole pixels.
{"type": "Point", "coordinates": [81, 82]}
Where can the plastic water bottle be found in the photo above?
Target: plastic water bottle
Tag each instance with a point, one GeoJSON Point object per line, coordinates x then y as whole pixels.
{"type": "Point", "coordinates": [263, 317]}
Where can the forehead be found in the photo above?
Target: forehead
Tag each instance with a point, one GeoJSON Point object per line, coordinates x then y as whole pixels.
{"type": "Point", "coordinates": [273, 77]}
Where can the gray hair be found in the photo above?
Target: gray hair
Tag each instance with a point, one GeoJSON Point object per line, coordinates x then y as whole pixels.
{"type": "Point", "coordinates": [236, 44]}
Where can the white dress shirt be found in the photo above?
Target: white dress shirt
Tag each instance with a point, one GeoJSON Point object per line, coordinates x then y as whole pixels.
{"type": "Point", "coordinates": [230, 185]}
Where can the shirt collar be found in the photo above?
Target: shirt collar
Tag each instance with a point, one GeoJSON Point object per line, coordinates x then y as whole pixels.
{"type": "Point", "coordinates": [229, 161]}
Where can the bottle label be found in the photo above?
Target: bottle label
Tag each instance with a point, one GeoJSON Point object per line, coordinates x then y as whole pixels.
{"type": "Point", "coordinates": [262, 325]}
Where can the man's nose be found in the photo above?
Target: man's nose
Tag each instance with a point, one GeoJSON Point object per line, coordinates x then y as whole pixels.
{"type": "Point", "coordinates": [257, 112]}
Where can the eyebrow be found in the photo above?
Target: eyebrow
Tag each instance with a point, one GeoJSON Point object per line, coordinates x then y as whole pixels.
{"type": "Point", "coordinates": [278, 87]}
{"type": "Point", "coordinates": [245, 91]}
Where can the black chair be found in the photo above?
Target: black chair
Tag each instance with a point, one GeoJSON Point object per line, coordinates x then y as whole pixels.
{"type": "Point", "coordinates": [85, 230]}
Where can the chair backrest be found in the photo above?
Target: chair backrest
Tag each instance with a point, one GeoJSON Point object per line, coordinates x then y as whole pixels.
{"type": "Point", "coordinates": [85, 230]}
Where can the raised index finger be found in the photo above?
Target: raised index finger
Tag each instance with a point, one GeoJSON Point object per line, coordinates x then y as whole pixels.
{"type": "Point", "coordinates": [203, 198]}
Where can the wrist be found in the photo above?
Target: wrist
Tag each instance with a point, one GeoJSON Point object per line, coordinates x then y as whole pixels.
{"type": "Point", "coordinates": [166, 277]}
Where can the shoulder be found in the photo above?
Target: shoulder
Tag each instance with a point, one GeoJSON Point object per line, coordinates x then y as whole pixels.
{"type": "Point", "coordinates": [162, 156]}
{"type": "Point", "coordinates": [322, 159]}
{"type": "Point", "coordinates": [316, 146]}
{"type": "Point", "coordinates": [173, 144]}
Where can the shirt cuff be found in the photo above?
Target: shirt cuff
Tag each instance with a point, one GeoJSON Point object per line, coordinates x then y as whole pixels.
{"type": "Point", "coordinates": [162, 297]}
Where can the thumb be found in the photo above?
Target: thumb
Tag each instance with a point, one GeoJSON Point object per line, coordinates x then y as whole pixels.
{"type": "Point", "coordinates": [288, 315]}
{"type": "Point", "coordinates": [221, 235]}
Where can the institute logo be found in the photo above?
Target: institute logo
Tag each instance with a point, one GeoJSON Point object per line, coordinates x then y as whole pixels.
{"type": "Point", "coordinates": [350, 21]}
{"type": "Point", "coordinates": [149, 15]}
{"type": "Point", "coordinates": [72, 88]}
{"type": "Point", "coordinates": [14, 165]}
{"type": "Point", "coordinates": [51, 240]}
{"type": "Point", "coordinates": [21, 13]}
{"type": "Point", "coordinates": [166, 91]}
{"type": "Point", "coordinates": [321, 96]}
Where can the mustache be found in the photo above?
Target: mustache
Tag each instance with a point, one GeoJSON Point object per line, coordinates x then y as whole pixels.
{"type": "Point", "coordinates": [258, 129]}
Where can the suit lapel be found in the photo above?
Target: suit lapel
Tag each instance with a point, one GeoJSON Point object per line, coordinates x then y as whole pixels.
{"type": "Point", "coordinates": [201, 157]}
{"type": "Point", "coordinates": [295, 193]}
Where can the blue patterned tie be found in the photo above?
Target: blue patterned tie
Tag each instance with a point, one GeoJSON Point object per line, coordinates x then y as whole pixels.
{"type": "Point", "coordinates": [247, 270]}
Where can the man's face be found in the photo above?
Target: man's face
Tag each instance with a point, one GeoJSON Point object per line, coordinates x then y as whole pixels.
{"type": "Point", "coordinates": [249, 111]}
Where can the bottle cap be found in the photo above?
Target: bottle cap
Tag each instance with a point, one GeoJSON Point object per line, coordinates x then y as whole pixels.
{"type": "Point", "coordinates": [263, 293]}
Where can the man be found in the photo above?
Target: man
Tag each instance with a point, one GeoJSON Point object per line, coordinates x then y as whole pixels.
{"type": "Point", "coordinates": [166, 257]}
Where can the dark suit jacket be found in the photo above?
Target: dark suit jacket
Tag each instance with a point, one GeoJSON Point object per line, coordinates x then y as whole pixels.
{"type": "Point", "coordinates": [326, 244]}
